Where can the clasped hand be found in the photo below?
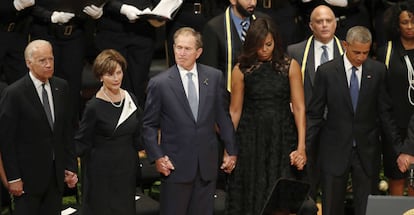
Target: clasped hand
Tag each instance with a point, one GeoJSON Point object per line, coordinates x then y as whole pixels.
{"type": "Point", "coordinates": [404, 161]}
{"type": "Point", "coordinates": [71, 178]}
{"type": "Point", "coordinates": [298, 159]}
{"type": "Point", "coordinates": [164, 165]}
{"type": "Point", "coordinates": [229, 162]}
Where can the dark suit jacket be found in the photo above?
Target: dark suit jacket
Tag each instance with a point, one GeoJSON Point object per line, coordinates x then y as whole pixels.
{"type": "Point", "coordinates": [408, 147]}
{"type": "Point", "coordinates": [296, 51]}
{"type": "Point", "coordinates": [190, 144]}
{"type": "Point", "coordinates": [215, 43]}
{"type": "Point", "coordinates": [28, 142]}
{"type": "Point", "coordinates": [342, 124]}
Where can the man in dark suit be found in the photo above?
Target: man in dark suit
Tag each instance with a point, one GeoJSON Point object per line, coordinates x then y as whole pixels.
{"type": "Point", "coordinates": [352, 89]}
{"type": "Point", "coordinates": [309, 53]}
{"type": "Point", "coordinates": [35, 126]}
{"type": "Point", "coordinates": [219, 51]}
{"type": "Point", "coordinates": [187, 103]}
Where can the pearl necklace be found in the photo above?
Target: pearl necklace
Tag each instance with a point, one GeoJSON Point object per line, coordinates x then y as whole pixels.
{"type": "Point", "coordinates": [113, 104]}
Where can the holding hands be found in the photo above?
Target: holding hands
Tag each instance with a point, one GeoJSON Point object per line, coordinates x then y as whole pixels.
{"type": "Point", "coordinates": [229, 162]}
{"type": "Point", "coordinates": [16, 188]}
{"type": "Point", "coordinates": [61, 17]}
{"type": "Point", "coordinates": [164, 165]}
{"type": "Point", "coordinates": [71, 178]}
{"type": "Point", "coordinates": [298, 159]}
{"type": "Point", "coordinates": [22, 4]}
{"type": "Point", "coordinates": [404, 161]}
{"type": "Point", "coordinates": [93, 11]}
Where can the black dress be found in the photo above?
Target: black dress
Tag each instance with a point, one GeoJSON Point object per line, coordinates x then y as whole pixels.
{"type": "Point", "coordinates": [266, 135]}
{"type": "Point", "coordinates": [110, 158]}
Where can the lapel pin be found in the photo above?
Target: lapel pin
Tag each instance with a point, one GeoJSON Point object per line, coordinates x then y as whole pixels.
{"type": "Point", "coordinates": [205, 82]}
{"type": "Point", "coordinates": [369, 76]}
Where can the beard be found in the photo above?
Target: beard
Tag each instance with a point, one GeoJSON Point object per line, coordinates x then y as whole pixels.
{"type": "Point", "coordinates": [242, 10]}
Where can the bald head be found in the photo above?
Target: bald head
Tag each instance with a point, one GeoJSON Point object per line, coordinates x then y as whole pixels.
{"type": "Point", "coordinates": [323, 23]}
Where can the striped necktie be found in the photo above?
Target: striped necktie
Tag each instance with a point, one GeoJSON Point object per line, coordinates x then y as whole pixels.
{"type": "Point", "coordinates": [324, 55]}
{"type": "Point", "coordinates": [244, 30]}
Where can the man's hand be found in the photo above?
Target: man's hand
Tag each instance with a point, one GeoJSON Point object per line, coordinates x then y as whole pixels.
{"type": "Point", "coordinates": [404, 161]}
{"type": "Point", "coordinates": [22, 4]}
{"type": "Point", "coordinates": [164, 165]}
{"type": "Point", "coordinates": [71, 178]}
{"type": "Point", "coordinates": [131, 12]}
{"type": "Point", "coordinates": [229, 162]}
{"type": "Point", "coordinates": [93, 11]}
{"type": "Point", "coordinates": [61, 17]}
{"type": "Point", "coordinates": [16, 188]}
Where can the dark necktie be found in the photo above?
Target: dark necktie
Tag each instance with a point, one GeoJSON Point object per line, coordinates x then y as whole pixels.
{"type": "Point", "coordinates": [244, 30]}
{"type": "Point", "coordinates": [192, 95]}
{"type": "Point", "coordinates": [324, 55]}
{"type": "Point", "coordinates": [46, 106]}
{"type": "Point", "coordinates": [354, 88]}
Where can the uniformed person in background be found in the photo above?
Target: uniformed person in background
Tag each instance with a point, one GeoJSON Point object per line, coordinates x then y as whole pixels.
{"type": "Point", "coordinates": [61, 22]}
{"type": "Point", "coordinates": [194, 14]}
{"type": "Point", "coordinates": [123, 28]}
{"type": "Point", "coordinates": [14, 27]}
{"type": "Point", "coordinates": [286, 15]}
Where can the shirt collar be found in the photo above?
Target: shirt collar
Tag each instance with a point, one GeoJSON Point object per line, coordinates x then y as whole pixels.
{"type": "Point", "coordinates": [37, 82]}
{"type": "Point", "coordinates": [183, 71]}
{"type": "Point", "coordinates": [319, 44]}
{"type": "Point", "coordinates": [348, 65]}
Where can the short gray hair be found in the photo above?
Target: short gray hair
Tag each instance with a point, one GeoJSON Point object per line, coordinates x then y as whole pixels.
{"type": "Point", "coordinates": [34, 46]}
{"type": "Point", "coordinates": [358, 34]}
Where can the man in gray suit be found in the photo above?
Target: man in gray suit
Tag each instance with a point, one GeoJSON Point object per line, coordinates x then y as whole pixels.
{"type": "Point", "coordinates": [187, 104]}
{"type": "Point", "coordinates": [310, 54]}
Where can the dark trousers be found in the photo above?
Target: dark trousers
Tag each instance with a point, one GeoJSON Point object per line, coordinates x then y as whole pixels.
{"type": "Point", "coordinates": [192, 198]}
{"type": "Point", "coordinates": [47, 203]}
{"type": "Point", "coordinates": [138, 51]}
{"type": "Point", "coordinates": [334, 188]}
{"type": "Point", "coordinates": [12, 63]}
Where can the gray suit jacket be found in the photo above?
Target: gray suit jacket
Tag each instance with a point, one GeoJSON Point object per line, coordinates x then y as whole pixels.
{"type": "Point", "coordinates": [190, 144]}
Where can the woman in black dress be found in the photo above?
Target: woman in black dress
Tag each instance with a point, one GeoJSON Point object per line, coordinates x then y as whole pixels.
{"type": "Point", "coordinates": [268, 111]}
{"type": "Point", "coordinates": [108, 140]}
{"type": "Point", "coordinates": [398, 55]}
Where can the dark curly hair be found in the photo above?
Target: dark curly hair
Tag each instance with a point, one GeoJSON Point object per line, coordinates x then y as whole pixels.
{"type": "Point", "coordinates": [255, 38]}
{"type": "Point", "coordinates": [392, 18]}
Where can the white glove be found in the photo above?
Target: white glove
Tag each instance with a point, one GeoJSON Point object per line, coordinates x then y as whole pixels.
{"type": "Point", "coordinates": [61, 17]}
{"type": "Point", "coordinates": [131, 12]}
{"type": "Point", "coordinates": [22, 4]}
{"type": "Point", "coordinates": [93, 11]}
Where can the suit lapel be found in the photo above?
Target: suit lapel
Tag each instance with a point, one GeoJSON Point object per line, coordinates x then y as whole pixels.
{"type": "Point", "coordinates": [57, 102]}
{"type": "Point", "coordinates": [343, 82]}
{"type": "Point", "coordinates": [178, 89]}
{"type": "Point", "coordinates": [32, 95]}
{"type": "Point", "coordinates": [366, 76]}
{"type": "Point", "coordinates": [310, 64]}
{"type": "Point", "coordinates": [202, 85]}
